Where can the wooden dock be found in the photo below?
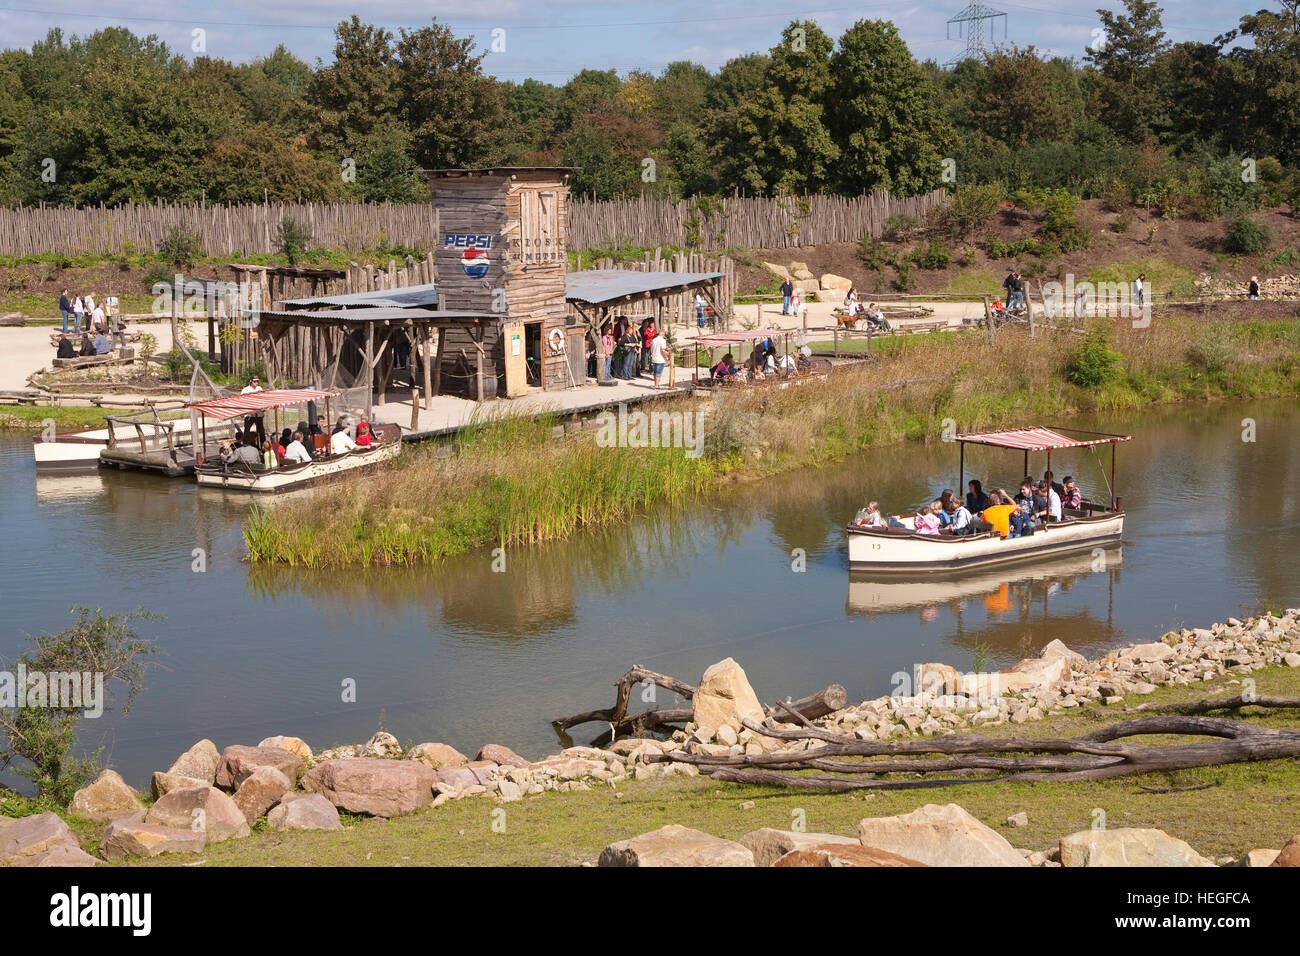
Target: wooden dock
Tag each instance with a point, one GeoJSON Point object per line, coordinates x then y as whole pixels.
{"type": "Point", "coordinates": [173, 464]}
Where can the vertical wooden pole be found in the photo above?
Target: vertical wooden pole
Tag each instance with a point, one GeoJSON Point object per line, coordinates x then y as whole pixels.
{"type": "Point", "coordinates": [370, 368]}
{"type": "Point", "coordinates": [426, 347]}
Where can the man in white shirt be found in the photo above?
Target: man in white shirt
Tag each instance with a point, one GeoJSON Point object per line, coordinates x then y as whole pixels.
{"type": "Point", "coordinates": [341, 442]}
{"type": "Point", "coordinates": [658, 356]}
{"type": "Point", "coordinates": [296, 451]}
{"type": "Point", "coordinates": [254, 422]}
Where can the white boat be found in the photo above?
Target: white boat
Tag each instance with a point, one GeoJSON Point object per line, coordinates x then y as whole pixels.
{"type": "Point", "coordinates": [903, 550]}
{"type": "Point", "coordinates": [257, 479]}
{"type": "Point", "coordinates": [79, 450]}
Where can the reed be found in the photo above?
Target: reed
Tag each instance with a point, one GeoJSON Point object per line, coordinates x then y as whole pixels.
{"type": "Point", "coordinates": [511, 482]}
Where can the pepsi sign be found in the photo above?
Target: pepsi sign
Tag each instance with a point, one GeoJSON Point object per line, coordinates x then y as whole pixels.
{"type": "Point", "coordinates": [475, 258]}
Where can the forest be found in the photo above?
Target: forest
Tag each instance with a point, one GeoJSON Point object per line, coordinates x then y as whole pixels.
{"type": "Point", "coordinates": [1191, 128]}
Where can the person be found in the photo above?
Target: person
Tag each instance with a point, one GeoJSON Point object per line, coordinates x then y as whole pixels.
{"type": "Point", "coordinates": [998, 309]}
{"type": "Point", "coordinates": [927, 522]}
{"type": "Point", "coordinates": [630, 343]}
{"type": "Point", "coordinates": [869, 517]}
{"type": "Point", "coordinates": [269, 459]}
{"type": "Point", "coordinates": [1139, 288]}
{"type": "Point", "coordinates": [1253, 288]}
{"type": "Point", "coordinates": [117, 328]}
{"type": "Point", "coordinates": [102, 345]}
{"type": "Point", "coordinates": [65, 309]}
{"type": "Point", "coordinates": [282, 445]}
{"type": "Point", "coordinates": [1054, 493]}
{"type": "Point", "coordinates": [255, 422]}
{"type": "Point", "coordinates": [97, 317]}
{"type": "Point", "coordinates": [78, 310]}
{"type": "Point", "coordinates": [726, 369]}
{"type": "Point", "coordinates": [976, 498]}
{"type": "Point", "coordinates": [87, 345]}
{"type": "Point", "coordinates": [876, 316]}
{"type": "Point", "coordinates": [794, 303]}
{"type": "Point", "coordinates": [942, 510]}
{"type": "Point", "coordinates": [786, 365]}
{"type": "Point", "coordinates": [959, 519]}
{"type": "Point", "coordinates": [787, 292]}
{"type": "Point", "coordinates": [226, 454]}
{"type": "Point", "coordinates": [648, 331]}
{"type": "Point", "coordinates": [700, 303]}
{"type": "Point", "coordinates": [66, 350]}
{"type": "Point", "coordinates": [341, 442]}
{"type": "Point", "coordinates": [320, 428]}
{"type": "Point", "coordinates": [1020, 522]}
{"type": "Point", "coordinates": [851, 302]}
{"type": "Point", "coordinates": [1073, 496]}
{"type": "Point", "coordinates": [1017, 293]}
{"type": "Point", "coordinates": [1025, 499]}
{"type": "Point", "coordinates": [1009, 285]}
{"type": "Point", "coordinates": [90, 310]}
{"type": "Point", "coordinates": [658, 355]}
{"type": "Point", "coordinates": [246, 451]}
{"type": "Point", "coordinates": [1042, 501]}
{"type": "Point", "coordinates": [364, 437]}
{"type": "Point", "coordinates": [607, 349]}
{"type": "Point", "coordinates": [998, 513]}
{"type": "Point", "coordinates": [296, 452]}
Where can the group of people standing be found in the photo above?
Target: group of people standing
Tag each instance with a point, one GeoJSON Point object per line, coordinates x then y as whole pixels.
{"type": "Point", "coordinates": [98, 327]}
{"type": "Point", "coordinates": [1011, 516]}
{"type": "Point", "coordinates": [628, 349]}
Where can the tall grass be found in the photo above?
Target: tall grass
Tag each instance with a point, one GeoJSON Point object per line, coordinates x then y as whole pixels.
{"type": "Point", "coordinates": [510, 481]}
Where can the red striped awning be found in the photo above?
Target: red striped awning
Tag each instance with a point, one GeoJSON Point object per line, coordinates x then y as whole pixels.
{"type": "Point", "coordinates": [730, 338]}
{"type": "Point", "coordinates": [232, 406]}
{"type": "Point", "coordinates": [1037, 439]}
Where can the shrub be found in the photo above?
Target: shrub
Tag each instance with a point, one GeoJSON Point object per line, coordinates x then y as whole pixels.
{"type": "Point", "coordinates": [934, 255]}
{"type": "Point", "coordinates": [182, 247]}
{"type": "Point", "coordinates": [873, 253]}
{"type": "Point", "coordinates": [1096, 364]}
{"type": "Point", "coordinates": [900, 227]}
{"type": "Point", "coordinates": [904, 282]}
{"type": "Point", "coordinates": [1245, 235]}
{"type": "Point", "coordinates": [1212, 349]}
{"type": "Point", "coordinates": [292, 237]}
{"type": "Point", "coordinates": [159, 273]}
{"type": "Point", "coordinates": [972, 206]}
{"type": "Point", "coordinates": [729, 432]}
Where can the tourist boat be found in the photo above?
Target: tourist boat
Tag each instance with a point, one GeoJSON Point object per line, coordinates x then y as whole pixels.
{"type": "Point", "coordinates": [240, 476]}
{"type": "Point", "coordinates": [79, 450]}
{"type": "Point", "coordinates": [894, 549]}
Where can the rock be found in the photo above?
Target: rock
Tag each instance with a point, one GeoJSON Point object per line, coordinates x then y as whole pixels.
{"type": "Point", "coordinates": [260, 792]}
{"type": "Point", "coordinates": [1291, 660]}
{"type": "Point", "coordinates": [12, 320]}
{"type": "Point", "coordinates": [1127, 846]}
{"type": "Point", "coordinates": [458, 778]}
{"type": "Point", "coordinates": [238, 763]}
{"type": "Point", "coordinates": [372, 785]}
{"type": "Point", "coordinates": [199, 762]}
{"type": "Point", "coordinates": [125, 838]}
{"type": "Point", "coordinates": [798, 267]}
{"type": "Point", "coordinates": [60, 856]}
{"type": "Point", "coordinates": [1155, 651]}
{"type": "Point", "coordinates": [936, 680]}
{"type": "Point", "coordinates": [34, 835]}
{"type": "Point", "coordinates": [1289, 855]}
{"type": "Point", "coordinates": [725, 697]}
{"type": "Point", "coordinates": [780, 271]}
{"type": "Point", "coordinates": [1257, 858]}
{"type": "Point", "coordinates": [437, 756]}
{"type": "Point", "coordinates": [108, 798]}
{"type": "Point", "coordinates": [383, 744]}
{"type": "Point", "coordinates": [304, 811]}
{"type": "Point", "coordinates": [500, 755]}
{"type": "Point", "coordinates": [769, 845]}
{"type": "Point", "coordinates": [727, 736]}
{"type": "Point", "coordinates": [809, 284]}
{"type": "Point", "coordinates": [939, 836]}
{"type": "Point", "coordinates": [838, 854]}
{"type": "Point", "coordinates": [509, 791]}
{"type": "Point", "coordinates": [1043, 672]}
{"type": "Point", "coordinates": [1020, 819]}
{"type": "Point", "coordinates": [675, 845]}
{"type": "Point", "coordinates": [830, 282]}
{"type": "Point", "coordinates": [164, 783]}
{"type": "Point", "coordinates": [567, 768]}
{"type": "Point", "coordinates": [203, 809]}
{"type": "Point", "coordinates": [1057, 649]}
{"type": "Point", "coordinates": [295, 745]}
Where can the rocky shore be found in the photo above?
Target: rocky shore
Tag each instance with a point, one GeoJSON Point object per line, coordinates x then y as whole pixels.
{"type": "Point", "coordinates": [209, 795]}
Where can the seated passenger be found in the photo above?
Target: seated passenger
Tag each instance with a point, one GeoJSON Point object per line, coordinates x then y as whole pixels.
{"type": "Point", "coordinates": [66, 351]}
{"type": "Point", "coordinates": [959, 520]}
{"type": "Point", "coordinates": [927, 522]}
{"type": "Point", "coordinates": [226, 454]}
{"type": "Point", "coordinates": [869, 517]}
{"type": "Point", "coordinates": [726, 369]}
{"type": "Point", "coordinates": [269, 459]}
{"type": "Point", "coordinates": [296, 452]}
{"type": "Point", "coordinates": [341, 442]}
{"type": "Point", "coordinates": [998, 513]}
{"type": "Point", "coordinates": [245, 451]}
{"type": "Point", "coordinates": [787, 364]}
{"type": "Point", "coordinates": [1073, 496]}
{"type": "Point", "coordinates": [1043, 495]}
{"type": "Point", "coordinates": [364, 438]}
{"type": "Point", "coordinates": [976, 499]}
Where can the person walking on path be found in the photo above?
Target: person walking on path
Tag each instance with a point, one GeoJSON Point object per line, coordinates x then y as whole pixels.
{"type": "Point", "coordinates": [607, 349]}
{"type": "Point", "coordinates": [117, 325]}
{"type": "Point", "coordinates": [658, 356]}
{"type": "Point", "coordinates": [1253, 288]}
{"type": "Point", "coordinates": [65, 309]}
{"type": "Point", "coordinates": [1139, 288]}
{"type": "Point", "coordinates": [787, 290]}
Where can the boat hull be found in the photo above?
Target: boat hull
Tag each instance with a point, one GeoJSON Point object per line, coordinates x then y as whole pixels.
{"type": "Point", "coordinates": [298, 476]}
{"type": "Point", "coordinates": [78, 451]}
{"type": "Point", "coordinates": [892, 550]}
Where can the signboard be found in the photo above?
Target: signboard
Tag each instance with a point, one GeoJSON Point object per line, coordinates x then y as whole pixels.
{"type": "Point", "coordinates": [476, 255]}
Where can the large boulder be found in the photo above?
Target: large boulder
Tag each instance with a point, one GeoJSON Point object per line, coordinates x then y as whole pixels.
{"type": "Point", "coordinates": [295, 745]}
{"type": "Point", "coordinates": [1155, 651]}
{"type": "Point", "coordinates": [260, 792]}
{"type": "Point", "coordinates": [1038, 672]}
{"type": "Point", "coordinates": [1257, 858]}
{"type": "Point", "coordinates": [239, 762]}
{"type": "Point", "coordinates": [939, 836]}
{"type": "Point", "coordinates": [830, 282]}
{"type": "Point", "coordinates": [164, 783]}
{"type": "Point", "coordinates": [1057, 648]}
{"type": "Point", "coordinates": [304, 811]}
{"type": "Point", "coordinates": [1127, 846]}
{"type": "Point", "coordinates": [769, 845]}
{"type": "Point", "coordinates": [1290, 853]}
{"type": "Point", "coordinates": [125, 838]}
{"type": "Point", "coordinates": [108, 798]}
{"type": "Point", "coordinates": [498, 754]}
{"type": "Point", "coordinates": [203, 809]}
{"type": "Point", "coordinates": [437, 756]}
{"type": "Point", "coordinates": [725, 697]}
{"type": "Point", "coordinates": [675, 845]}
{"type": "Point", "coordinates": [839, 854]}
{"type": "Point", "coordinates": [372, 785]}
{"type": "Point", "coordinates": [199, 762]}
{"type": "Point", "coordinates": [59, 856]}
{"type": "Point", "coordinates": [31, 836]}
{"type": "Point", "coordinates": [936, 680]}
{"type": "Point", "coordinates": [780, 271]}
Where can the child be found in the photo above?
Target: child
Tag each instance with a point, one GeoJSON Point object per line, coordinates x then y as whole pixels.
{"type": "Point", "coordinates": [869, 517]}
{"type": "Point", "coordinates": [927, 522]}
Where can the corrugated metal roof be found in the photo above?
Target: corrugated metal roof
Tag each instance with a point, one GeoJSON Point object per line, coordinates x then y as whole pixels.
{"type": "Point", "coordinates": [598, 286]}
{"type": "Point", "coordinates": [381, 314]}
{"type": "Point", "coordinates": [411, 296]}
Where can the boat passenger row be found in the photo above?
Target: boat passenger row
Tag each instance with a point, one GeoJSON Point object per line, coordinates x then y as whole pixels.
{"type": "Point", "coordinates": [1012, 516]}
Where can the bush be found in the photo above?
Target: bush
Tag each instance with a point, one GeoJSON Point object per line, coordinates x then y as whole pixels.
{"type": "Point", "coordinates": [729, 432]}
{"type": "Point", "coordinates": [1246, 236]}
{"type": "Point", "coordinates": [1212, 349]}
{"type": "Point", "coordinates": [1096, 363]}
{"type": "Point", "coordinates": [972, 206]}
{"type": "Point", "coordinates": [904, 282]}
{"type": "Point", "coordinates": [874, 254]}
{"type": "Point", "coordinates": [182, 247]}
{"type": "Point", "coordinates": [292, 237]}
{"type": "Point", "coordinates": [159, 273]}
{"type": "Point", "coordinates": [900, 227]}
{"type": "Point", "coordinates": [934, 255]}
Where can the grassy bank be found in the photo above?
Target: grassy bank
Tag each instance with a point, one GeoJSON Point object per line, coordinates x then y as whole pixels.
{"type": "Point", "coordinates": [513, 483]}
{"type": "Point", "coordinates": [1246, 806]}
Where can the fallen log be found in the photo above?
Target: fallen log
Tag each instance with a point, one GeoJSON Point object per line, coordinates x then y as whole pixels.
{"type": "Point", "coordinates": [1222, 703]}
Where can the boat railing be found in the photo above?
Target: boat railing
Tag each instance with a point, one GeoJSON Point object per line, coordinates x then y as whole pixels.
{"type": "Point", "coordinates": [147, 427]}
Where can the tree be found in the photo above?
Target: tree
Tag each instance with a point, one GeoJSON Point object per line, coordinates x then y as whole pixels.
{"type": "Point", "coordinates": [347, 97]}
{"type": "Point", "coordinates": [1124, 58]}
{"type": "Point", "coordinates": [884, 114]}
{"type": "Point", "coordinates": [385, 169]}
{"type": "Point", "coordinates": [1015, 100]}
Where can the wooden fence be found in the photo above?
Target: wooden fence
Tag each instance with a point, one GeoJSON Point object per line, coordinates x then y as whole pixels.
{"type": "Point", "coordinates": [355, 227]}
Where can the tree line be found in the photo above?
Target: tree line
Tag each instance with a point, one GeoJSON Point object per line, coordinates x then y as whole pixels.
{"type": "Point", "coordinates": [1188, 127]}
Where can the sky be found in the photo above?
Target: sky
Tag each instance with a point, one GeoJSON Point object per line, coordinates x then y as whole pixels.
{"type": "Point", "coordinates": [550, 40]}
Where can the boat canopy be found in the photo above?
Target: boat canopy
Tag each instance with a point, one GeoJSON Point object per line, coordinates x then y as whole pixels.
{"type": "Point", "coordinates": [232, 406]}
{"type": "Point", "coordinates": [730, 338]}
{"type": "Point", "coordinates": [1039, 439]}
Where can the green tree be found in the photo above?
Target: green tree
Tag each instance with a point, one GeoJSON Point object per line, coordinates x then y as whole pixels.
{"type": "Point", "coordinates": [348, 96]}
{"type": "Point", "coordinates": [385, 169]}
{"type": "Point", "coordinates": [1125, 57]}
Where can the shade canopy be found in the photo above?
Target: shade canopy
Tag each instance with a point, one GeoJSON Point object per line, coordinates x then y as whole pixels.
{"type": "Point", "coordinates": [232, 406]}
{"type": "Point", "coordinates": [607, 286]}
{"type": "Point", "coordinates": [730, 338]}
{"type": "Point", "coordinates": [1039, 439]}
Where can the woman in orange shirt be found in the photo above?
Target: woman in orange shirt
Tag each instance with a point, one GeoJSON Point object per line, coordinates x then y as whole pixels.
{"type": "Point", "coordinates": [998, 514]}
